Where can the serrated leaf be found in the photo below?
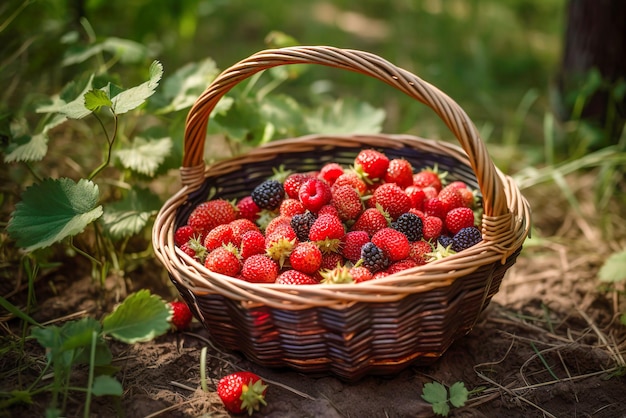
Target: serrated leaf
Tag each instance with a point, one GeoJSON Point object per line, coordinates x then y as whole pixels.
{"type": "Point", "coordinates": [458, 394]}
{"type": "Point", "coordinates": [106, 385]}
{"type": "Point", "coordinates": [284, 113]}
{"type": "Point", "coordinates": [53, 210]}
{"type": "Point", "coordinates": [441, 408]}
{"type": "Point", "coordinates": [77, 334]}
{"type": "Point", "coordinates": [95, 99]}
{"type": "Point", "coordinates": [181, 89]}
{"type": "Point", "coordinates": [145, 155]}
{"type": "Point", "coordinates": [73, 108]}
{"type": "Point", "coordinates": [133, 97]}
{"type": "Point", "coordinates": [24, 147]}
{"type": "Point", "coordinates": [141, 317]}
{"type": "Point", "coordinates": [126, 50]}
{"type": "Point", "coordinates": [130, 215]}
{"type": "Point", "coordinates": [434, 392]}
{"type": "Point", "coordinates": [346, 116]}
{"type": "Point", "coordinates": [614, 268]}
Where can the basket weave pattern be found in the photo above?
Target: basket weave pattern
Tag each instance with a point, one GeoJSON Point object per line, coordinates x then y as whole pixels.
{"type": "Point", "coordinates": [376, 327]}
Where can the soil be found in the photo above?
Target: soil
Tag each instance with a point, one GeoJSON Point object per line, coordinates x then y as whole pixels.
{"type": "Point", "coordinates": [549, 345]}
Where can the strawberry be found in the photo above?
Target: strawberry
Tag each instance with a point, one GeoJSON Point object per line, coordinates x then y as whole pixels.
{"type": "Point", "coordinates": [224, 261]}
{"type": "Point", "coordinates": [392, 199]}
{"type": "Point", "coordinates": [432, 227]}
{"type": "Point", "coordinates": [218, 236]}
{"type": "Point", "coordinates": [240, 227]}
{"type": "Point", "coordinates": [295, 277]}
{"type": "Point", "coordinates": [469, 198]}
{"type": "Point", "coordinates": [293, 182]}
{"type": "Point", "coordinates": [351, 244]}
{"type": "Point", "coordinates": [337, 275]}
{"type": "Point", "coordinates": [247, 209]}
{"type": "Point", "coordinates": [371, 164]}
{"type": "Point", "coordinates": [393, 243]}
{"type": "Point", "coordinates": [328, 210]}
{"type": "Point", "coordinates": [371, 221]}
{"type": "Point", "coordinates": [360, 274]}
{"type": "Point", "coordinates": [314, 194]}
{"type": "Point", "coordinates": [401, 265]}
{"type": "Point", "coordinates": [195, 249]}
{"type": "Point", "coordinates": [188, 249]}
{"type": "Point", "coordinates": [331, 260]}
{"type": "Point", "coordinates": [435, 207]}
{"type": "Point", "coordinates": [429, 177]}
{"type": "Point", "coordinates": [399, 171]}
{"type": "Point", "coordinates": [183, 234]}
{"type": "Point", "coordinates": [181, 315]}
{"type": "Point", "coordinates": [350, 178]}
{"type": "Point", "coordinates": [326, 232]}
{"type": "Point", "coordinates": [459, 218]}
{"type": "Point", "coordinates": [291, 207]}
{"type": "Point", "coordinates": [347, 201]}
{"type": "Point", "coordinates": [277, 223]}
{"type": "Point", "coordinates": [259, 268]}
{"type": "Point", "coordinates": [208, 215]}
{"type": "Point", "coordinates": [306, 257]}
{"type": "Point", "coordinates": [418, 251]}
{"type": "Point", "coordinates": [451, 198]}
{"type": "Point", "coordinates": [280, 244]}
{"type": "Point", "coordinates": [242, 392]}
{"type": "Point", "coordinates": [417, 196]}
{"type": "Point", "coordinates": [252, 242]}
{"type": "Point", "coordinates": [330, 172]}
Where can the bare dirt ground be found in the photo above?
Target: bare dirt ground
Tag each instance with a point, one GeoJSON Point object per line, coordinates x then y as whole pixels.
{"type": "Point", "coordinates": [549, 345]}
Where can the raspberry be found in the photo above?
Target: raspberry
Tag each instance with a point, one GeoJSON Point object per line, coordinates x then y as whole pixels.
{"type": "Point", "coordinates": [268, 195]}
{"type": "Point", "coordinates": [410, 225]}
{"type": "Point", "coordinates": [330, 172]}
{"type": "Point", "coordinates": [248, 209]}
{"type": "Point", "coordinates": [314, 194]}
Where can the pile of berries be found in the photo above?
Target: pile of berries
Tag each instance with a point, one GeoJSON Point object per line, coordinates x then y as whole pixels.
{"type": "Point", "coordinates": [337, 225]}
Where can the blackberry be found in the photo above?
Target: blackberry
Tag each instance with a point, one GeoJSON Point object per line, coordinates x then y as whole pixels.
{"type": "Point", "coordinates": [374, 259]}
{"type": "Point", "coordinates": [445, 241]}
{"type": "Point", "coordinates": [410, 225]}
{"type": "Point", "coordinates": [302, 224]}
{"type": "Point", "coordinates": [268, 195]}
{"type": "Point", "coordinates": [465, 238]}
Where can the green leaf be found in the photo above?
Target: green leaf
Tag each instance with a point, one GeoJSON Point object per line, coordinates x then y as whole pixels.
{"type": "Point", "coordinates": [436, 394]}
{"type": "Point", "coordinates": [458, 394]}
{"type": "Point", "coordinates": [135, 96]}
{"type": "Point", "coordinates": [441, 408]}
{"type": "Point", "coordinates": [106, 385]}
{"type": "Point", "coordinates": [24, 147]}
{"type": "Point", "coordinates": [614, 268]}
{"type": "Point", "coordinates": [346, 116]}
{"type": "Point", "coordinates": [182, 89]}
{"type": "Point", "coordinates": [141, 317]}
{"type": "Point", "coordinates": [74, 107]}
{"type": "Point", "coordinates": [130, 215]}
{"type": "Point", "coordinates": [53, 210]}
{"type": "Point", "coordinates": [284, 113]}
{"type": "Point", "coordinates": [145, 155]}
{"type": "Point", "coordinates": [95, 99]}
{"type": "Point", "coordinates": [77, 334]}
{"type": "Point", "coordinates": [126, 50]}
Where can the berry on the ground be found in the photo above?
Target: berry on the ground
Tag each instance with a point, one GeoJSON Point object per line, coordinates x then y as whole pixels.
{"type": "Point", "coordinates": [242, 392]}
{"type": "Point", "coordinates": [181, 315]}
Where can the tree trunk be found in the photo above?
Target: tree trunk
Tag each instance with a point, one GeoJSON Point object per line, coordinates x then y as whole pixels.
{"type": "Point", "coordinates": [595, 40]}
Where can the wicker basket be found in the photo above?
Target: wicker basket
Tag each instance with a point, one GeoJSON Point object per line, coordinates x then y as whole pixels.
{"type": "Point", "coordinates": [376, 327]}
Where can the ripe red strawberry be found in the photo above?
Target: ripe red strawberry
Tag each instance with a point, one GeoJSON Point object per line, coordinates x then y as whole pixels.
{"type": "Point", "coordinates": [277, 223]}
{"type": "Point", "coordinates": [469, 198]}
{"type": "Point", "coordinates": [218, 236]}
{"type": "Point", "coordinates": [435, 207]}
{"type": "Point", "coordinates": [183, 234]}
{"type": "Point", "coordinates": [392, 199]}
{"type": "Point", "coordinates": [181, 315]}
{"type": "Point", "coordinates": [360, 274]}
{"type": "Point", "coordinates": [429, 177]}
{"type": "Point", "coordinates": [430, 192]}
{"type": "Point", "coordinates": [331, 260]}
{"type": "Point", "coordinates": [371, 221]}
{"type": "Point", "coordinates": [393, 243]}
{"type": "Point", "coordinates": [328, 210]}
{"type": "Point", "coordinates": [240, 227]}
{"type": "Point", "coordinates": [187, 249]}
{"type": "Point", "coordinates": [330, 172]}
{"type": "Point", "coordinates": [291, 207]}
{"type": "Point", "coordinates": [295, 277]}
{"type": "Point", "coordinates": [417, 196]}
{"type": "Point", "coordinates": [451, 198]}
{"type": "Point", "coordinates": [210, 214]}
{"type": "Point", "coordinates": [314, 194]}
{"type": "Point", "coordinates": [293, 182]}
{"type": "Point", "coordinates": [432, 227]}
{"type": "Point", "coordinates": [259, 268]}
{"type": "Point", "coordinates": [247, 209]}
{"type": "Point", "coordinates": [252, 242]}
{"type": "Point", "coordinates": [401, 265]}
{"type": "Point", "coordinates": [419, 251]}
{"type": "Point", "coordinates": [337, 275]}
{"type": "Point", "coordinates": [242, 392]}
{"type": "Point", "coordinates": [326, 232]}
{"type": "Point", "coordinates": [458, 219]}
{"type": "Point", "coordinates": [350, 178]}
{"type": "Point", "coordinates": [399, 171]}
{"type": "Point", "coordinates": [347, 201]}
{"type": "Point", "coordinates": [351, 244]}
{"type": "Point", "coordinates": [224, 261]}
{"type": "Point", "coordinates": [280, 244]}
{"type": "Point", "coordinates": [306, 257]}
{"type": "Point", "coordinates": [371, 164]}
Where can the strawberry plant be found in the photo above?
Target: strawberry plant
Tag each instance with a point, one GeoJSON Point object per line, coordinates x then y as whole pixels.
{"type": "Point", "coordinates": [441, 398]}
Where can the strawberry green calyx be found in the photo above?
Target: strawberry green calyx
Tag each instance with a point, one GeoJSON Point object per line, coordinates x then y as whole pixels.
{"type": "Point", "coordinates": [280, 249]}
{"type": "Point", "coordinates": [440, 252]}
{"type": "Point", "coordinates": [338, 275]}
{"type": "Point", "coordinates": [329, 245]}
{"type": "Point", "coordinates": [253, 396]}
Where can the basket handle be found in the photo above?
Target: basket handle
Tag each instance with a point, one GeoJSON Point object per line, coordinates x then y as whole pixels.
{"type": "Point", "coordinates": [494, 197]}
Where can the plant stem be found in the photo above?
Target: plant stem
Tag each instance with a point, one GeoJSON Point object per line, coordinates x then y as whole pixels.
{"type": "Point", "coordinates": [110, 141]}
{"type": "Point", "coordinates": [92, 361]}
{"type": "Point", "coordinates": [203, 370]}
